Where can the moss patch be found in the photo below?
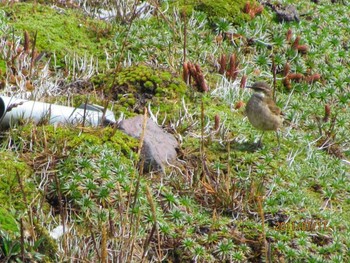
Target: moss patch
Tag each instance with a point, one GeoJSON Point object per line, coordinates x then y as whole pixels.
{"type": "Point", "coordinates": [217, 9]}
{"type": "Point", "coordinates": [60, 31]}
{"type": "Point", "coordinates": [7, 221]}
{"type": "Point", "coordinates": [11, 194]}
{"type": "Point", "coordinates": [135, 86]}
{"type": "Point", "coordinates": [61, 140]}
{"type": "Point", "coordinates": [2, 67]}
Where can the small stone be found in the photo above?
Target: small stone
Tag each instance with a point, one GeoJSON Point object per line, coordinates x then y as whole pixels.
{"type": "Point", "coordinates": [159, 147]}
{"type": "Point", "coordinates": [287, 14]}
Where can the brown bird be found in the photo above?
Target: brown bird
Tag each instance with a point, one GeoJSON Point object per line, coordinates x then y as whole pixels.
{"type": "Point", "coordinates": [262, 111]}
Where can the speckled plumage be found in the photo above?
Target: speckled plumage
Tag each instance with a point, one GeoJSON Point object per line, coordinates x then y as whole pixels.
{"type": "Point", "coordinates": [261, 110]}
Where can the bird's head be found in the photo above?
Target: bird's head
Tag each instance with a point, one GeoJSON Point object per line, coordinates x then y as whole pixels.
{"type": "Point", "coordinates": [261, 87]}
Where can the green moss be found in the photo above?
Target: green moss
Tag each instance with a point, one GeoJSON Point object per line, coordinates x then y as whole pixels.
{"type": "Point", "coordinates": [2, 67]}
{"type": "Point", "coordinates": [48, 245]}
{"type": "Point", "coordinates": [232, 10]}
{"type": "Point", "coordinates": [67, 32]}
{"type": "Point", "coordinates": [7, 221]}
{"type": "Point", "coordinates": [148, 85]}
{"type": "Point", "coordinates": [64, 139]}
{"type": "Point", "coordinates": [11, 194]}
{"type": "Point", "coordinates": [135, 86]}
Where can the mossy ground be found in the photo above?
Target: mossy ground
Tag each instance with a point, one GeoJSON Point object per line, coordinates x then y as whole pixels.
{"type": "Point", "coordinates": [60, 31]}
{"type": "Point", "coordinates": [12, 170]}
{"type": "Point", "coordinates": [210, 208]}
{"type": "Point", "coordinates": [231, 11]}
{"type": "Point", "coordinates": [134, 88]}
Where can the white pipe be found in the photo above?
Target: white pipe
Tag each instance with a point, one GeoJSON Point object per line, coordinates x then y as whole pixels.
{"type": "Point", "coordinates": [12, 110]}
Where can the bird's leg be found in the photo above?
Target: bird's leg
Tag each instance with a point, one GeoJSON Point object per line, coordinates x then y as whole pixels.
{"type": "Point", "coordinates": [260, 140]}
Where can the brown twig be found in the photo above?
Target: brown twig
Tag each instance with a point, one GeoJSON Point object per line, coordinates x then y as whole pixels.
{"type": "Point", "coordinates": [84, 114]}
{"type": "Point", "coordinates": [185, 34]}
{"type": "Point", "coordinates": [135, 223]}
{"type": "Point", "coordinates": [104, 253]}
{"type": "Point", "coordinates": [62, 212]}
{"type": "Point", "coordinates": [26, 44]}
{"type": "Point", "coordinates": [22, 238]}
{"type": "Point", "coordinates": [154, 228]}
{"type": "Point", "coordinates": [263, 233]}
{"type": "Point", "coordinates": [274, 72]}
{"type": "Point", "coordinates": [95, 244]}
{"type": "Point", "coordinates": [29, 210]}
{"type": "Point", "coordinates": [33, 54]}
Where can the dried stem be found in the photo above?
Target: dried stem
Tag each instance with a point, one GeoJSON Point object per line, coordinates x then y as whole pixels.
{"type": "Point", "coordinates": [33, 54]}
{"type": "Point", "coordinates": [185, 35]}
{"type": "Point", "coordinates": [104, 243]}
{"type": "Point", "coordinates": [62, 212]}
{"type": "Point", "coordinates": [135, 223]}
{"type": "Point", "coordinates": [22, 238]}
{"type": "Point", "coordinates": [95, 244]}
{"type": "Point", "coordinates": [274, 72]}
{"type": "Point", "coordinates": [30, 215]}
{"type": "Point", "coordinates": [263, 234]}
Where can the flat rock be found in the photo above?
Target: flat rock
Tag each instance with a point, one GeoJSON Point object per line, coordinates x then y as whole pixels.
{"type": "Point", "coordinates": [159, 147]}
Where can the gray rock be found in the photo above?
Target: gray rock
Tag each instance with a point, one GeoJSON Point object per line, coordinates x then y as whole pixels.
{"type": "Point", "coordinates": [284, 13]}
{"type": "Point", "coordinates": [159, 147]}
{"type": "Point", "coordinates": [287, 14]}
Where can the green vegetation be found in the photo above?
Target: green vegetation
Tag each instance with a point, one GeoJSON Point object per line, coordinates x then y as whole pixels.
{"type": "Point", "coordinates": [227, 200]}
{"type": "Point", "coordinates": [13, 170]}
{"type": "Point", "coordinates": [216, 10]}
{"type": "Point", "coordinates": [137, 86]}
{"type": "Point", "coordinates": [60, 31]}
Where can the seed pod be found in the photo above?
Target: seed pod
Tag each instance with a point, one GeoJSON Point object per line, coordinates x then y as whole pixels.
{"type": "Point", "coordinates": [198, 77]}
{"type": "Point", "coordinates": [296, 42]}
{"type": "Point", "coordinates": [303, 49]}
{"type": "Point", "coordinates": [185, 73]}
{"type": "Point", "coordinates": [247, 7]}
{"type": "Point", "coordinates": [12, 79]}
{"type": "Point", "coordinates": [232, 72]}
{"type": "Point", "coordinates": [29, 86]}
{"type": "Point", "coordinates": [26, 41]}
{"type": "Point", "coordinates": [239, 104]}
{"type": "Point", "coordinates": [313, 78]}
{"type": "Point", "coordinates": [287, 83]}
{"type": "Point", "coordinates": [192, 70]}
{"type": "Point", "coordinates": [222, 62]}
{"type": "Point", "coordinates": [218, 39]}
{"type": "Point", "coordinates": [243, 81]}
{"type": "Point", "coordinates": [258, 10]}
{"type": "Point", "coordinates": [216, 122]}
{"type": "Point", "coordinates": [286, 69]}
{"type": "Point", "coordinates": [203, 87]}
{"type": "Point", "coordinates": [295, 76]}
{"type": "Point", "coordinates": [327, 112]}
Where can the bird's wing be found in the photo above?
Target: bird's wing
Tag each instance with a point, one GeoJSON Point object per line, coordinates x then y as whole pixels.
{"type": "Point", "coordinates": [273, 107]}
